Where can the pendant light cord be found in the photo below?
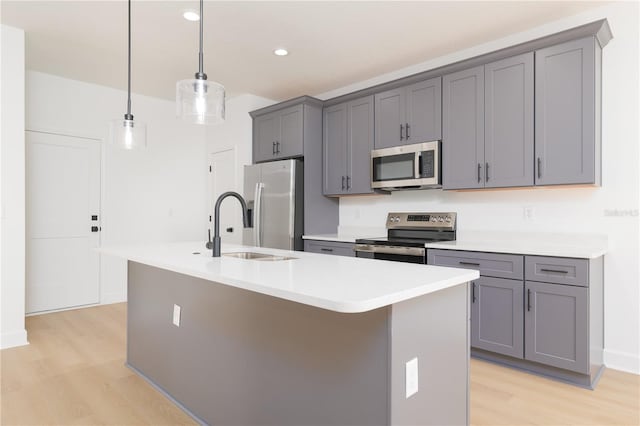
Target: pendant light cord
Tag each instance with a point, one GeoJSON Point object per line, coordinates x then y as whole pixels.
{"type": "Point", "coordinates": [201, 75]}
{"type": "Point", "coordinates": [129, 116]}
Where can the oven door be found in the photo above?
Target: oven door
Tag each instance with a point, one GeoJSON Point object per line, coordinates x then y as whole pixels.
{"type": "Point", "coordinates": [393, 253]}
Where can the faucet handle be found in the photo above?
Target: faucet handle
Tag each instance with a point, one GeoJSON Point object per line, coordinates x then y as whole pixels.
{"type": "Point", "coordinates": [209, 244]}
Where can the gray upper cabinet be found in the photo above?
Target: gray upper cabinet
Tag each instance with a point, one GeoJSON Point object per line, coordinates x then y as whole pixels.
{"type": "Point", "coordinates": [488, 125]}
{"type": "Point", "coordinates": [497, 315]}
{"type": "Point", "coordinates": [390, 113]}
{"type": "Point", "coordinates": [567, 146]}
{"type": "Point", "coordinates": [557, 325]}
{"type": "Point", "coordinates": [408, 115]}
{"type": "Point", "coordinates": [463, 129]}
{"type": "Point", "coordinates": [279, 135]}
{"type": "Point", "coordinates": [508, 137]}
{"type": "Point", "coordinates": [348, 141]}
{"type": "Point", "coordinates": [335, 149]}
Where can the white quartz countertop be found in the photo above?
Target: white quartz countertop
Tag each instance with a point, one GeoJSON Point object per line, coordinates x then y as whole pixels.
{"type": "Point", "coordinates": [584, 246]}
{"type": "Point", "coordinates": [341, 284]}
{"type": "Point", "coordinates": [332, 237]}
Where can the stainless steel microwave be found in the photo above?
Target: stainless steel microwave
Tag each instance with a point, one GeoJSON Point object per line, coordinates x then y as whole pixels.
{"type": "Point", "coordinates": [406, 167]}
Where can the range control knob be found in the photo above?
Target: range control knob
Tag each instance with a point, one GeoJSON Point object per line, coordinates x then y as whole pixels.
{"type": "Point", "coordinates": [448, 219]}
{"type": "Point", "coordinates": [440, 219]}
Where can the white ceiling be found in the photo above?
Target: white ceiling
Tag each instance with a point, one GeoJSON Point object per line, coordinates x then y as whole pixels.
{"type": "Point", "coordinates": [331, 44]}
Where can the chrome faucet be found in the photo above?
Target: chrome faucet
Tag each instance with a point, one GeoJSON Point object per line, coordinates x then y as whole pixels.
{"type": "Point", "coordinates": [245, 219]}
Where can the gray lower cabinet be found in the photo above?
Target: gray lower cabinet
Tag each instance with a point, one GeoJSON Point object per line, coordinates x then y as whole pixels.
{"type": "Point", "coordinates": [557, 325]}
{"type": "Point", "coordinates": [539, 313]}
{"type": "Point", "coordinates": [279, 134]}
{"type": "Point", "coordinates": [568, 97]}
{"type": "Point", "coordinates": [409, 115]}
{"type": "Point", "coordinates": [488, 125]}
{"type": "Point", "coordinates": [496, 316]}
{"type": "Point", "coordinates": [335, 248]}
{"type": "Point", "coordinates": [347, 144]}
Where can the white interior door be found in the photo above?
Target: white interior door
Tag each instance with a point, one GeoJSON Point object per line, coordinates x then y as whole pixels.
{"type": "Point", "coordinates": [63, 195]}
{"type": "Point", "coordinates": [222, 178]}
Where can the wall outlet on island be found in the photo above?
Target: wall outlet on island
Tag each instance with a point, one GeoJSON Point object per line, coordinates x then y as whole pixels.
{"type": "Point", "coordinates": [528, 213]}
{"type": "Point", "coordinates": [411, 377]}
{"type": "Point", "coordinates": [176, 315]}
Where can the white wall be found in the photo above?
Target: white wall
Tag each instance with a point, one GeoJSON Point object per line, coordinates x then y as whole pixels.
{"type": "Point", "coordinates": [148, 195]}
{"type": "Point", "coordinates": [583, 210]}
{"type": "Point", "coordinates": [236, 132]}
{"type": "Point", "coordinates": [12, 210]}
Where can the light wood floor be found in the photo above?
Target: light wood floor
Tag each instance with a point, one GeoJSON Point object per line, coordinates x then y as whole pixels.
{"type": "Point", "coordinates": [73, 373]}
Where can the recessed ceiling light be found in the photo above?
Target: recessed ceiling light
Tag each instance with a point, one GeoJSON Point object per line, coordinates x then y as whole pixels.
{"type": "Point", "coordinates": [280, 52]}
{"type": "Point", "coordinates": [191, 15]}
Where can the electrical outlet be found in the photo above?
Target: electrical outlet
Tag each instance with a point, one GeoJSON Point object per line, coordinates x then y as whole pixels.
{"type": "Point", "coordinates": [411, 377]}
{"type": "Point", "coordinates": [176, 315]}
{"type": "Point", "coordinates": [528, 213]}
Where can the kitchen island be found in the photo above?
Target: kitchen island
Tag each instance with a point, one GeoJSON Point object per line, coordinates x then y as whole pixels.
{"type": "Point", "coordinates": [312, 339]}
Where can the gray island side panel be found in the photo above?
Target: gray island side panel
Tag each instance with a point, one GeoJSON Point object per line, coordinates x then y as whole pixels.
{"type": "Point", "coordinates": [243, 358]}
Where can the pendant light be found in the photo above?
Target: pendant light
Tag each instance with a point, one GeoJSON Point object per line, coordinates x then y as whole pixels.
{"type": "Point", "coordinates": [126, 133]}
{"type": "Point", "coordinates": [198, 100]}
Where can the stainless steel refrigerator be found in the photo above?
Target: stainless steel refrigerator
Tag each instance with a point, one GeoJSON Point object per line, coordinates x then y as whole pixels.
{"type": "Point", "coordinates": [274, 192]}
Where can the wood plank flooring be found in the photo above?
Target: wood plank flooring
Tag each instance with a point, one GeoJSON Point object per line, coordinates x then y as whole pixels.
{"type": "Point", "coordinates": [73, 373]}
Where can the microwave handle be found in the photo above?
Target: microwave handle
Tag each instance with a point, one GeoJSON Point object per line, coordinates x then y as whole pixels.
{"type": "Point", "coordinates": [417, 162]}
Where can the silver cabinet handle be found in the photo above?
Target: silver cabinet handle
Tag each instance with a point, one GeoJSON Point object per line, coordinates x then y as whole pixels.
{"type": "Point", "coordinates": [468, 263]}
{"type": "Point", "coordinates": [401, 129]}
{"type": "Point", "coordinates": [407, 130]}
{"type": "Point", "coordinates": [343, 183]}
{"type": "Point", "coordinates": [273, 148]}
{"type": "Point", "coordinates": [559, 271]}
{"type": "Point", "coordinates": [277, 147]}
{"type": "Point", "coordinates": [326, 249]}
{"type": "Point", "coordinates": [473, 292]}
{"type": "Point", "coordinates": [539, 167]}
{"type": "Point", "coordinates": [348, 182]}
{"type": "Point", "coordinates": [528, 299]}
{"type": "Point", "coordinates": [486, 172]}
{"type": "Point", "coordinates": [479, 171]}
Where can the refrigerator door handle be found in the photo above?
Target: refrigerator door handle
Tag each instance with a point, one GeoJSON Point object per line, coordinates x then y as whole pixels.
{"type": "Point", "coordinates": [257, 215]}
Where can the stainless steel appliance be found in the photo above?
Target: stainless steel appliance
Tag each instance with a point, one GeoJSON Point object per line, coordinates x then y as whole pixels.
{"type": "Point", "coordinates": [407, 234]}
{"type": "Point", "coordinates": [274, 192]}
{"type": "Point", "coordinates": [406, 167]}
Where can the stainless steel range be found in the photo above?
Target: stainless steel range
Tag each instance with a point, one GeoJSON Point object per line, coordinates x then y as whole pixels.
{"type": "Point", "coordinates": [407, 233]}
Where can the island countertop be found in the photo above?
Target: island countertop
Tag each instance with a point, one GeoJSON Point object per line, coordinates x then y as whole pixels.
{"type": "Point", "coordinates": [340, 284]}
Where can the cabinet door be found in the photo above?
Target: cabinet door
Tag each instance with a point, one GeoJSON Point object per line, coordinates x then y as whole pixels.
{"type": "Point", "coordinates": [291, 132]}
{"type": "Point", "coordinates": [556, 326]}
{"type": "Point", "coordinates": [508, 142]}
{"type": "Point", "coordinates": [335, 149]}
{"type": "Point", "coordinates": [266, 129]}
{"type": "Point", "coordinates": [565, 113]}
{"type": "Point", "coordinates": [463, 129]}
{"type": "Point", "coordinates": [424, 111]}
{"type": "Point", "coordinates": [497, 316]}
{"type": "Point", "coordinates": [390, 115]}
{"type": "Point", "coordinates": [360, 144]}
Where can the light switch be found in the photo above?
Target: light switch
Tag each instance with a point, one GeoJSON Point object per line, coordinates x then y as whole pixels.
{"type": "Point", "coordinates": [176, 315]}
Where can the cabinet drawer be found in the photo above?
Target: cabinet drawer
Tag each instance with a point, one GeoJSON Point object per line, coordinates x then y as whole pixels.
{"type": "Point", "coordinates": [558, 270]}
{"type": "Point", "coordinates": [329, 247]}
{"type": "Point", "coordinates": [489, 264]}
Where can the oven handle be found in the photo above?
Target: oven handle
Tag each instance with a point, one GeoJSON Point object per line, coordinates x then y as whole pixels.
{"type": "Point", "coordinates": [408, 251]}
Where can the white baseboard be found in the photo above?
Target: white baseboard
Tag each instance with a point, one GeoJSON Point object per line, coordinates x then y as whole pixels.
{"type": "Point", "coordinates": [623, 361]}
{"type": "Point", "coordinates": [13, 339]}
{"type": "Point", "coordinates": [109, 298]}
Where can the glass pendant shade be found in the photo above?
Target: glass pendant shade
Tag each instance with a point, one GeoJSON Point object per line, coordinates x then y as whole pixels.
{"type": "Point", "coordinates": [200, 101]}
{"type": "Point", "coordinates": [128, 134]}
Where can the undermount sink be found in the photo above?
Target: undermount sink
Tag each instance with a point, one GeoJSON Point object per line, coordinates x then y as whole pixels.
{"type": "Point", "coordinates": [247, 255]}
